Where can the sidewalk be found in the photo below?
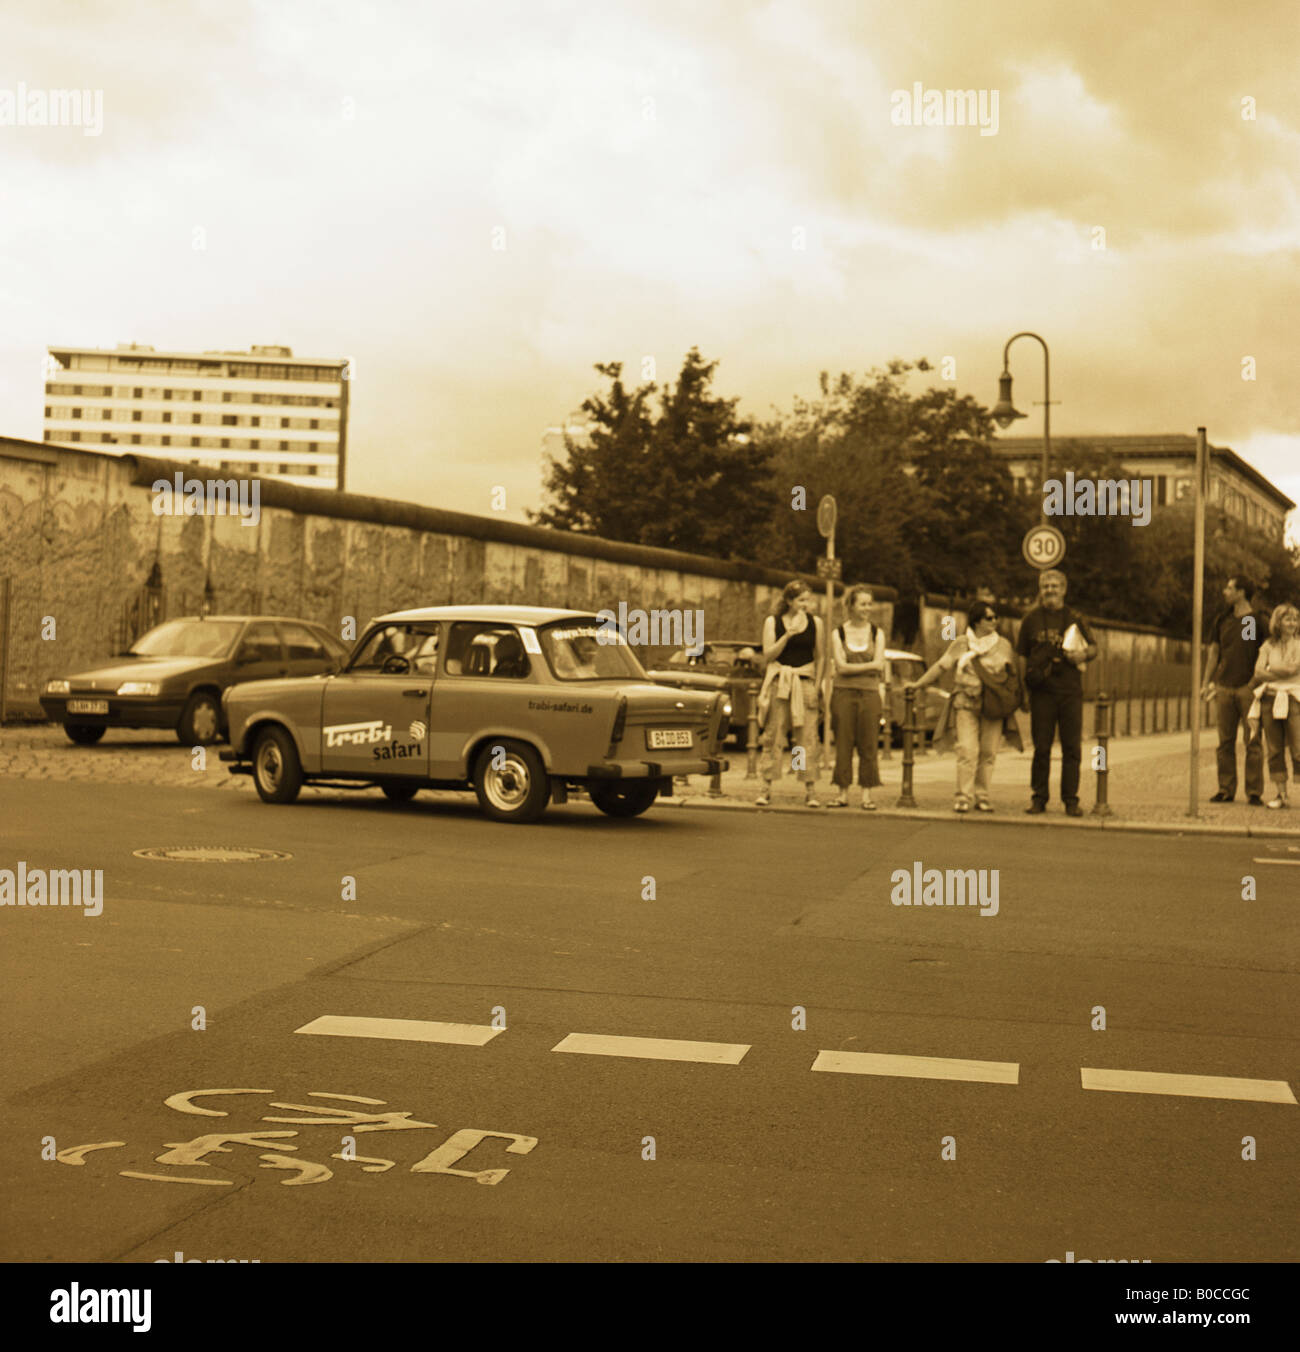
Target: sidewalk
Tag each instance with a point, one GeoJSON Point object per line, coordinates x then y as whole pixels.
{"type": "Point", "coordinates": [1148, 790]}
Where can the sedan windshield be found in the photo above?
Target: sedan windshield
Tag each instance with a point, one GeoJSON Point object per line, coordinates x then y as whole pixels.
{"type": "Point", "coordinates": [187, 638]}
{"type": "Point", "coordinates": [576, 653]}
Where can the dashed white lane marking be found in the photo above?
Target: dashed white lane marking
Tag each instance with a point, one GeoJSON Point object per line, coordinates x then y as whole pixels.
{"type": "Point", "coordinates": [918, 1067]}
{"type": "Point", "coordinates": [1188, 1086]}
{"type": "Point", "coordinates": [1294, 863]}
{"type": "Point", "coordinates": [653, 1048]}
{"type": "Point", "coordinates": [402, 1030]}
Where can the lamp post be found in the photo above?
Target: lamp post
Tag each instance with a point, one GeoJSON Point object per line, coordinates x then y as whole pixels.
{"type": "Point", "coordinates": [1005, 412]}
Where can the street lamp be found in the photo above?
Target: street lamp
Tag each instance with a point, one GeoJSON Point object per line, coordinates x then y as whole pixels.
{"type": "Point", "coordinates": [1005, 412]}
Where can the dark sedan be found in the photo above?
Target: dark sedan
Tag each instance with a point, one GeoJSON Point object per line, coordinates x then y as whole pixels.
{"type": "Point", "coordinates": [728, 664]}
{"type": "Point", "coordinates": [173, 676]}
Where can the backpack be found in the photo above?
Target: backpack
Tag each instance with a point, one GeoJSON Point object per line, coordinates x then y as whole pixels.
{"type": "Point", "coordinates": [1000, 696]}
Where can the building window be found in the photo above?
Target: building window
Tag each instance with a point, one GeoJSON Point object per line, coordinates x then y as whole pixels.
{"type": "Point", "coordinates": [76, 413]}
{"type": "Point", "coordinates": [225, 443]}
{"type": "Point", "coordinates": [197, 395]}
{"type": "Point", "coordinates": [284, 445]}
{"type": "Point", "coordinates": [74, 436]}
{"type": "Point", "coordinates": [167, 417]}
{"type": "Point", "coordinates": [137, 416]}
{"type": "Point", "coordinates": [228, 420]}
{"type": "Point", "coordinates": [167, 394]}
{"type": "Point", "coordinates": [1162, 488]}
{"type": "Point", "coordinates": [194, 417]}
{"type": "Point", "coordinates": [135, 439]}
{"type": "Point", "coordinates": [47, 410]}
{"type": "Point", "coordinates": [139, 392]}
{"type": "Point", "coordinates": [166, 441]}
{"type": "Point", "coordinates": [254, 421]}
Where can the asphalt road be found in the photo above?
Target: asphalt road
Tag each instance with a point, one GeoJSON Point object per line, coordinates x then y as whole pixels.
{"type": "Point", "coordinates": [551, 930]}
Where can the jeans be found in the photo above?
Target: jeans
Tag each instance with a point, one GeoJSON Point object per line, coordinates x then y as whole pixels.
{"type": "Point", "coordinates": [1282, 735]}
{"type": "Point", "coordinates": [978, 740]}
{"type": "Point", "coordinates": [855, 720]}
{"type": "Point", "coordinates": [1049, 709]}
{"type": "Point", "coordinates": [774, 735]}
{"type": "Point", "coordinates": [1231, 706]}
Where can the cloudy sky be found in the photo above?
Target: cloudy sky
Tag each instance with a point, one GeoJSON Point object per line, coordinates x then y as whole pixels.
{"type": "Point", "coordinates": [354, 169]}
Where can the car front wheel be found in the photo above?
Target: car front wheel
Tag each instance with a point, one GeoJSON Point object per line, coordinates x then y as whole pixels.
{"type": "Point", "coordinates": [200, 724]}
{"type": "Point", "coordinates": [83, 733]}
{"type": "Point", "coordinates": [624, 800]}
{"type": "Point", "coordinates": [510, 781]}
{"type": "Point", "coordinates": [277, 771]}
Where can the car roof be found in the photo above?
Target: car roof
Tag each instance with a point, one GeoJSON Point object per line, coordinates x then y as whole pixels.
{"type": "Point", "coordinates": [530, 615]}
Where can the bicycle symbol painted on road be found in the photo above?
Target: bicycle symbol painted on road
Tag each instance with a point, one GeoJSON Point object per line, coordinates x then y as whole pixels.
{"type": "Point", "coordinates": [193, 1154]}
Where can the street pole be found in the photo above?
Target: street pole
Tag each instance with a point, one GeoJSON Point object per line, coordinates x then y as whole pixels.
{"type": "Point", "coordinates": [1198, 606]}
{"type": "Point", "coordinates": [829, 674]}
{"type": "Point", "coordinates": [1005, 413]}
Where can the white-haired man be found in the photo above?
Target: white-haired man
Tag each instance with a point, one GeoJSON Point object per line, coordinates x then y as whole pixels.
{"type": "Point", "coordinates": [1053, 685]}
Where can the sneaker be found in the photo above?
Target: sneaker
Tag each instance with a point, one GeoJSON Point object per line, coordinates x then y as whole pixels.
{"type": "Point", "coordinates": [1035, 808]}
{"type": "Point", "coordinates": [841, 799]}
{"type": "Point", "coordinates": [811, 800]}
{"type": "Point", "coordinates": [1279, 801]}
{"type": "Point", "coordinates": [1222, 797]}
{"type": "Point", "coordinates": [764, 796]}
{"type": "Point", "coordinates": [867, 804]}
{"type": "Point", "coordinates": [961, 806]}
{"type": "Point", "coordinates": [983, 806]}
{"type": "Point", "coordinates": [1073, 810]}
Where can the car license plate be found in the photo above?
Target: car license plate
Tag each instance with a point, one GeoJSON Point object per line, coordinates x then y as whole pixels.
{"type": "Point", "coordinates": [667, 739]}
{"type": "Point", "coordinates": [87, 706]}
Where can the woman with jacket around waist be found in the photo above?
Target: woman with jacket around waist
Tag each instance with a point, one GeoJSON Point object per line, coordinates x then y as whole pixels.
{"type": "Point", "coordinates": [979, 733]}
{"type": "Point", "coordinates": [1277, 674]}
{"type": "Point", "coordinates": [858, 655]}
{"type": "Point", "coordinates": [795, 650]}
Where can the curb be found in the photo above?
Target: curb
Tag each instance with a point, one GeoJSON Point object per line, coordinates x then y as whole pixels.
{"type": "Point", "coordinates": [1087, 822]}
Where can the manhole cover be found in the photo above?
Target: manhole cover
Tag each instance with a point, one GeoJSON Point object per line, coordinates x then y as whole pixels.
{"type": "Point", "coordinates": [211, 854]}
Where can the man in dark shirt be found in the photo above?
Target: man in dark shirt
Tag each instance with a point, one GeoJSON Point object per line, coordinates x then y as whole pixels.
{"type": "Point", "coordinates": [1053, 689]}
{"type": "Point", "coordinates": [1235, 635]}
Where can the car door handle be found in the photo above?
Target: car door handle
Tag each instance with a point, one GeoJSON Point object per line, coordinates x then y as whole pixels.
{"type": "Point", "coordinates": [416, 692]}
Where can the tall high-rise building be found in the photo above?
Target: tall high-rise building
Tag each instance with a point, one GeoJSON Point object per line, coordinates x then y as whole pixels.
{"type": "Point", "coordinates": [263, 412]}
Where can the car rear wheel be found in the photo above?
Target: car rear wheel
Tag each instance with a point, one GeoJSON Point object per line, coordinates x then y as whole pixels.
{"type": "Point", "coordinates": [510, 781]}
{"type": "Point", "coordinates": [84, 734]}
{"type": "Point", "coordinates": [200, 724]}
{"type": "Point", "coordinates": [277, 771]}
{"type": "Point", "coordinates": [400, 793]}
{"type": "Point", "coordinates": [624, 800]}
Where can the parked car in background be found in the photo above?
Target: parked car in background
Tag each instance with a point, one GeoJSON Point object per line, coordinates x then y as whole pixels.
{"type": "Point", "coordinates": [518, 703]}
{"type": "Point", "coordinates": [900, 668]}
{"type": "Point", "coordinates": [727, 664]}
{"type": "Point", "coordinates": [173, 676]}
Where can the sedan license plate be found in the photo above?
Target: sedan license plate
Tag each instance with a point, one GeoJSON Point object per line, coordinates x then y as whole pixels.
{"type": "Point", "coordinates": [87, 706]}
{"type": "Point", "coordinates": [668, 739]}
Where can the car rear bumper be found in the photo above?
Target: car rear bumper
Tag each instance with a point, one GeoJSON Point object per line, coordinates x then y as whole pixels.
{"type": "Point", "coordinates": [711, 765]}
{"type": "Point", "coordinates": [124, 711]}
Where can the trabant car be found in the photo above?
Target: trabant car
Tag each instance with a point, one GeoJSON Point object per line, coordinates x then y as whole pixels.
{"type": "Point", "coordinates": [173, 675]}
{"type": "Point", "coordinates": [518, 703]}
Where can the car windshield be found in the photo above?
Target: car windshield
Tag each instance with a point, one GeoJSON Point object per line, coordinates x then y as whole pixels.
{"type": "Point", "coordinates": [187, 638]}
{"type": "Point", "coordinates": [582, 651]}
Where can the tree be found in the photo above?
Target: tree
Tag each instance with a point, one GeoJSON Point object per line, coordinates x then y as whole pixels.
{"type": "Point", "coordinates": [690, 478]}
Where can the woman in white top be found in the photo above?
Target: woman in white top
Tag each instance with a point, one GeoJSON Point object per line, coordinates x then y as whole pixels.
{"type": "Point", "coordinates": [1277, 673]}
{"type": "Point", "coordinates": [858, 653]}
{"type": "Point", "coordinates": [979, 735]}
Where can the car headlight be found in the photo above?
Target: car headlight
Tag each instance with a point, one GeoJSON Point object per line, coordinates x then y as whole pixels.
{"type": "Point", "coordinates": [138, 688]}
{"type": "Point", "coordinates": [726, 708]}
{"type": "Point", "coordinates": [57, 687]}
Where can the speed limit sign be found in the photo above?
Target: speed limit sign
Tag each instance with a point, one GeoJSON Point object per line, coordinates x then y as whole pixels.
{"type": "Point", "coordinates": [1043, 546]}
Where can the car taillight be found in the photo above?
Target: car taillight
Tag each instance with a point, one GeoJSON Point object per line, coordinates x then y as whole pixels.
{"type": "Point", "coordinates": [620, 722]}
{"type": "Point", "coordinates": [721, 717]}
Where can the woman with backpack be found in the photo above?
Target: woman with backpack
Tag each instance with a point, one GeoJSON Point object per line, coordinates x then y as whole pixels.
{"type": "Point", "coordinates": [858, 655]}
{"type": "Point", "coordinates": [985, 695]}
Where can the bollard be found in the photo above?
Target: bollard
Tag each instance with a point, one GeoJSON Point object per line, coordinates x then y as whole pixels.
{"type": "Point", "coordinates": [1166, 699]}
{"type": "Point", "coordinates": [885, 738]}
{"type": "Point", "coordinates": [1142, 712]}
{"type": "Point", "coordinates": [1102, 806]}
{"type": "Point", "coordinates": [751, 732]}
{"type": "Point", "coordinates": [905, 798]}
{"type": "Point", "coordinates": [715, 785]}
{"type": "Point", "coordinates": [1128, 712]}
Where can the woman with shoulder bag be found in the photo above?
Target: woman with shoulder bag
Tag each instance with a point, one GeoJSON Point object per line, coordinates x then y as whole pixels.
{"type": "Point", "coordinates": [986, 693]}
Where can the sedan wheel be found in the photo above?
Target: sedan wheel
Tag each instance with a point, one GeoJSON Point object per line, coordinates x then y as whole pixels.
{"type": "Point", "coordinates": [84, 734]}
{"type": "Point", "coordinates": [277, 771]}
{"type": "Point", "coordinates": [624, 800]}
{"type": "Point", "coordinates": [200, 724]}
{"type": "Point", "coordinates": [511, 782]}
